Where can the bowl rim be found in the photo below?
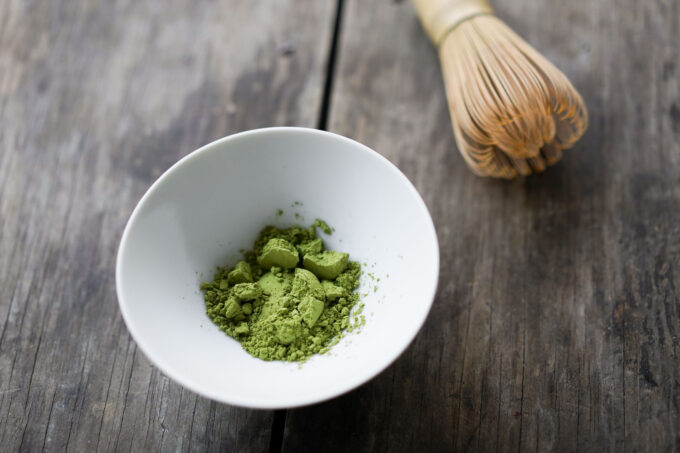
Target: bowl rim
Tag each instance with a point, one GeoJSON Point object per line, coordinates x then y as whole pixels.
{"type": "Point", "coordinates": [299, 401]}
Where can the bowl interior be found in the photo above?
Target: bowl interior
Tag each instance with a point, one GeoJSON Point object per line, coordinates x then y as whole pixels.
{"type": "Point", "coordinates": [213, 203]}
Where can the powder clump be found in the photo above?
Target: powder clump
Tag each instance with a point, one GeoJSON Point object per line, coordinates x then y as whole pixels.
{"type": "Point", "coordinates": [278, 252]}
{"type": "Point", "coordinates": [289, 298]}
{"type": "Point", "coordinates": [327, 265]}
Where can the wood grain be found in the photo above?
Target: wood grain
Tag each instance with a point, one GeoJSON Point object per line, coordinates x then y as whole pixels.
{"type": "Point", "coordinates": [556, 323]}
{"type": "Point", "coordinates": [96, 100]}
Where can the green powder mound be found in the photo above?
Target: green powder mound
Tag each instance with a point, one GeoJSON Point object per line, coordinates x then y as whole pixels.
{"type": "Point", "coordinates": [289, 298]}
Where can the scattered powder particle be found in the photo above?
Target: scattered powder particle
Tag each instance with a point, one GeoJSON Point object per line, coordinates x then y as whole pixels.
{"type": "Point", "coordinates": [323, 226]}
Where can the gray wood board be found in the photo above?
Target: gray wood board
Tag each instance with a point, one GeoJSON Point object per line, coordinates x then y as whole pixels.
{"type": "Point", "coordinates": [557, 318]}
{"type": "Point", "coordinates": [96, 100]}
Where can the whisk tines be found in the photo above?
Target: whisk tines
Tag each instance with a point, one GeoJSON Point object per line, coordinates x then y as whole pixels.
{"type": "Point", "coordinates": [513, 112]}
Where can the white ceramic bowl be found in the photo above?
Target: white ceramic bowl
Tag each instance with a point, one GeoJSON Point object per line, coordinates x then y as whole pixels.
{"type": "Point", "coordinates": [213, 202]}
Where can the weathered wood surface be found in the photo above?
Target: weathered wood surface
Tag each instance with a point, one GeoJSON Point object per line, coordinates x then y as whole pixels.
{"type": "Point", "coordinates": [96, 100]}
{"type": "Point", "coordinates": [557, 321]}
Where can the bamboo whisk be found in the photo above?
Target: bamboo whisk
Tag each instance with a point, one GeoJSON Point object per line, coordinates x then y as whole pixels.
{"type": "Point", "coordinates": [513, 112]}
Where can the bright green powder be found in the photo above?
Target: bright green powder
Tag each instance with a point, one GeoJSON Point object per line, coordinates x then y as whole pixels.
{"type": "Point", "coordinates": [289, 298]}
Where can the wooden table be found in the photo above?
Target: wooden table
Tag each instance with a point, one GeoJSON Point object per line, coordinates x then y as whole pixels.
{"type": "Point", "coordinates": [557, 321]}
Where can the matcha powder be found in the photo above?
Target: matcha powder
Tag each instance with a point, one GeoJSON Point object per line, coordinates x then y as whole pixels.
{"type": "Point", "coordinates": [289, 298]}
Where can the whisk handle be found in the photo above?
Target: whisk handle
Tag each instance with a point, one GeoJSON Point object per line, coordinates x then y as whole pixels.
{"type": "Point", "coordinates": [439, 17]}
